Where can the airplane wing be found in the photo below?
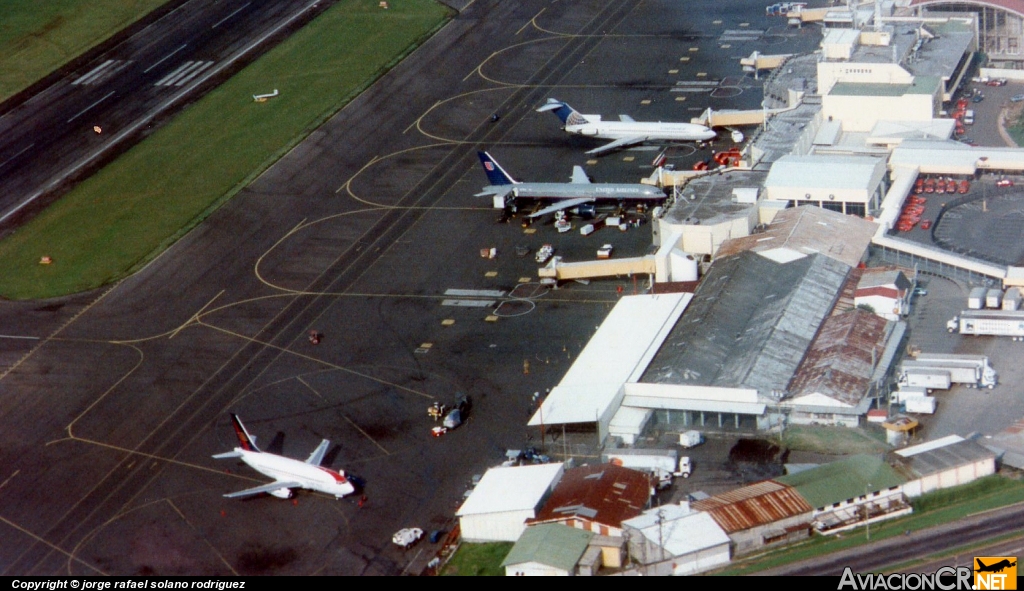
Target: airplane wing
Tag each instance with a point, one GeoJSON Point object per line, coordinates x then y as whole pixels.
{"type": "Point", "coordinates": [579, 176]}
{"type": "Point", "coordinates": [496, 190]}
{"type": "Point", "coordinates": [266, 488]}
{"type": "Point", "coordinates": [318, 454]}
{"type": "Point", "coordinates": [227, 454]}
{"type": "Point", "coordinates": [617, 144]}
{"type": "Point", "coordinates": [627, 119]}
{"type": "Point", "coordinates": [566, 204]}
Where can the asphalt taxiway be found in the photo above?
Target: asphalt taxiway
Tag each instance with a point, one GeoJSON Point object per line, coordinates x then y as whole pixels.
{"type": "Point", "coordinates": [116, 399]}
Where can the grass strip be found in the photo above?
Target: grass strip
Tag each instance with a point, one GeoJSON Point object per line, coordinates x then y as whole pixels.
{"type": "Point", "coordinates": [478, 560]}
{"type": "Point", "coordinates": [134, 208]}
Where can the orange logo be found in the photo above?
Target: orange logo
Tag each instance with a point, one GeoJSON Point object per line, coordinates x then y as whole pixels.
{"type": "Point", "coordinates": [995, 572]}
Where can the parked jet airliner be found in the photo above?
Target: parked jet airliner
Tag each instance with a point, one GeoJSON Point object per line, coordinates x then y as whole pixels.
{"type": "Point", "coordinates": [625, 132]}
{"type": "Point", "coordinates": [565, 195]}
{"type": "Point", "coordinates": [286, 472]}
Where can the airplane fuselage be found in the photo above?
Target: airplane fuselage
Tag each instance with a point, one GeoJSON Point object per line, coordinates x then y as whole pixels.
{"type": "Point", "coordinates": [616, 130]}
{"type": "Point", "coordinates": [610, 191]}
{"type": "Point", "coordinates": [285, 469]}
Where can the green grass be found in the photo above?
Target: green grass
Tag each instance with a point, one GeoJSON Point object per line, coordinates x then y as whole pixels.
{"type": "Point", "coordinates": [149, 197]}
{"type": "Point", "coordinates": [834, 440]}
{"type": "Point", "coordinates": [38, 37]}
{"type": "Point", "coordinates": [931, 509]}
{"type": "Point", "coordinates": [478, 560]}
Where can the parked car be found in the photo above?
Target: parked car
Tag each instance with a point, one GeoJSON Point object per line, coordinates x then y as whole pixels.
{"type": "Point", "coordinates": [1004, 183]}
{"type": "Point", "coordinates": [920, 291]}
{"type": "Point", "coordinates": [978, 98]}
{"type": "Point", "coordinates": [926, 225]}
{"type": "Point", "coordinates": [1017, 98]}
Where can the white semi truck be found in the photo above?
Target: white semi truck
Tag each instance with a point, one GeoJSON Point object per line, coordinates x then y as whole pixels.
{"type": "Point", "coordinates": [1000, 323]}
{"type": "Point", "coordinates": [662, 464]}
{"type": "Point", "coordinates": [971, 370]}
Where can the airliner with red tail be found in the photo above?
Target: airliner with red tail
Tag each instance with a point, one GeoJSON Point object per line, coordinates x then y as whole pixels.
{"type": "Point", "coordinates": [287, 473]}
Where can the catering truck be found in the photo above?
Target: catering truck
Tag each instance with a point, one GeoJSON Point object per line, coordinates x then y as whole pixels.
{"type": "Point", "coordinates": [999, 323]}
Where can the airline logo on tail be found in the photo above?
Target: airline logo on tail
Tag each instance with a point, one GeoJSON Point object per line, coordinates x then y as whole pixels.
{"type": "Point", "coordinates": [248, 442]}
{"type": "Point", "coordinates": [567, 114]}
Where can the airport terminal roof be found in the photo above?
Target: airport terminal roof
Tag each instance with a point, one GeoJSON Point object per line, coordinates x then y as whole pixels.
{"type": "Point", "coordinates": [513, 488]}
{"type": "Point", "coordinates": [841, 481]}
{"type": "Point", "coordinates": [709, 199]}
{"type": "Point", "coordinates": [921, 85]}
{"type": "Point", "coordinates": [825, 171]}
{"type": "Point", "coordinates": [951, 157]}
{"type": "Point", "coordinates": [622, 345]}
{"type": "Point", "coordinates": [750, 322]}
{"type": "Point", "coordinates": [808, 230]}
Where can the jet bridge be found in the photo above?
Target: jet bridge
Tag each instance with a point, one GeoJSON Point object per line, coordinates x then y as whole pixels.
{"type": "Point", "coordinates": [556, 269]}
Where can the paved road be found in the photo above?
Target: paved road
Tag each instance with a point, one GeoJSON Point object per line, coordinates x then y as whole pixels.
{"type": "Point", "coordinates": [876, 556]}
{"type": "Point", "coordinates": [50, 138]}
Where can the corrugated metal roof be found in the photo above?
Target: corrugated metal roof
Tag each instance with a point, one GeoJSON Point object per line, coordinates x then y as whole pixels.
{"type": "Point", "coordinates": [679, 530]}
{"type": "Point", "coordinates": [552, 544]}
{"type": "Point", "coordinates": [883, 277]}
{"type": "Point", "coordinates": [512, 488]}
{"type": "Point", "coordinates": [841, 360]}
{"type": "Point", "coordinates": [749, 323]}
{"type": "Point", "coordinates": [809, 229]}
{"type": "Point", "coordinates": [750, 506]}
{"type": "Point", "coordinates": [840, 481]}
{"type": "Point", "coordinates": [947, 457]}
{"type": "Point", "coordinates": [603, 493]}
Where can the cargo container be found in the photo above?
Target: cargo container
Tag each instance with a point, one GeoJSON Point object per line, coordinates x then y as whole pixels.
{"type": "Point", "coordinates": [900, 396]}
{"type": "Point", "coordinates": [994, 299]}
{"type": "Point", "coordinates": [921, 405]}
{"type": "Point", "coordinates": [661, 464]}
{"type": "Point", "coordinates": [1012, 299]}
{"type": "Point", "coordinates": [976, 301]}
{"type": "Point", "coordinates": [924, 377]}
{"type": "Point", "coordinates": [996, 323]}
{"type": "Point", "coordinates": [971, 370]}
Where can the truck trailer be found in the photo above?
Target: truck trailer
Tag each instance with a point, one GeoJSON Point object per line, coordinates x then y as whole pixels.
{"type": "Point", "coordinates": [930, 378]}
{"type": "Point", "coordinates": [971, 370]}
{"type": "Point", "coordinates": [921, 405]}
{"type": "Point", "coordinates": [662, 464]}
{"type": "Point", "coordinates": [999, 323]}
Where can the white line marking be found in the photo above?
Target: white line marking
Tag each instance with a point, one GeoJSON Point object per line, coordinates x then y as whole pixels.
{"type": "Point", "coordinates": [82, 112]}
{"type": "Point", "coordinates": [11, 336]}
{"type": "Point", "coordinates": [93, 73]}
{"type": "Point", "coordinates": [231, 15]}
{"type": "Point", "coordinates": [165, 58]}
{"type": "Point", "coordinates": [16, 155]}
{"type": "Point", "coordinates": [182, 74]}
{"type": "Point", "coordinates": [469, 303]}
{"type": "Point", "coordinates": [177, 71]}
{"type": "Point", "coordinates": [194, 73]}
{"type": "Point", "coordinates": [487, 293]}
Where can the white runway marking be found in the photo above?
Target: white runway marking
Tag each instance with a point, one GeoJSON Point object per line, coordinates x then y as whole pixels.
{"type": "Point", "coordinates": [484, 293]}
{"type": "Point", "coordinates": [183, 73]}
{"type": "Point", "coordinates": [16, 155]}
{"type": "Point", "coordinates": [101, 72]}
{"type": "Point", "coordinates": [469, 303]}
{"type": "Point", "coordinates": [231, 15]}
{"type": "Point", "coordinates": [11, 336]}
{"type": "Point", "coordinates": [194, 73]}
{"type": "Point", "coordinates": [83, 111]}
{"type": "Point", "coordinates": [164, 58]}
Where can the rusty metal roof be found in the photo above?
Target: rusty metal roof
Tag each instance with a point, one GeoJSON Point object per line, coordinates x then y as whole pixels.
{"type": "Point", "coordinates": [757, 504]}
{"type": "Point", "coordinates": [842, 357]}
{"type": "Point", "coordinates": [601, 493]}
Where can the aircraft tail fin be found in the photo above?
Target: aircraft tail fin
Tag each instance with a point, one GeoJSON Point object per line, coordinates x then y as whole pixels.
{"type": "Point", "coordinates": [495, 173]}
{"type": "Point", "coordinates": [248, 442]}
{"type": "Point", "coordinates": [567, 114]}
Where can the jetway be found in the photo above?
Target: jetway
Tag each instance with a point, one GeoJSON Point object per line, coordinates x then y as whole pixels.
{"type": "Point", "coordinates": [712, 118]}
{"type": "Point", "coordinates": [556, 269]}
{"type": "Point", "coordinates": [756, 61]}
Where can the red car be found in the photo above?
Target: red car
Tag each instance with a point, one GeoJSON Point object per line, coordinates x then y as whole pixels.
{"type": "Point", "coordinates": [1004, 183]}
{"type": "Point", "coordinates": [925, 225]}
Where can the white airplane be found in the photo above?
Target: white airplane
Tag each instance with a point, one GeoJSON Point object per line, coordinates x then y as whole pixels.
{"type": "Point", "coordinates": [286, 472]}
{"type": "Point", "coordinates": [625, 132]}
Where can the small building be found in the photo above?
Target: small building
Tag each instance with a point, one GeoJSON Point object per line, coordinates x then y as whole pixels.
{"type": "Point", "coordinates": [675, 540]}
{"type": "Point", "coordinates": [851, 492]}
{"type": "Point", "coordinates": [547, 550]}
{"type": "Point", "coordinates": [505, 498]}
{"type": "Point", "coordinates": [942, 463]}
{"type": "Point", "coordinates": [886, 291]}
{"type": "Point", "coordinates": [759, 515]}
{"type": "Point", "coordinates": [597, 498]}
